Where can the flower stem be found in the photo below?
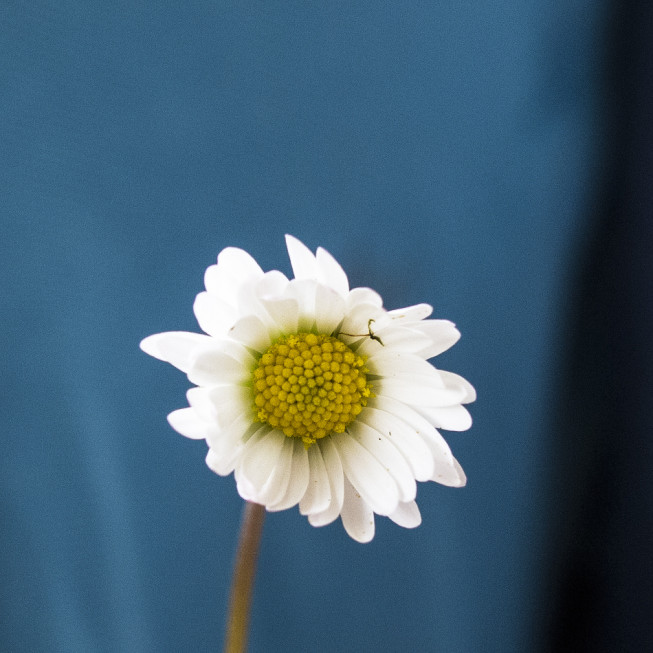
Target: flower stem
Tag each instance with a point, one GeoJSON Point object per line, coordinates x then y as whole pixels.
{"type": "Point", "coordinates": [251, 528]}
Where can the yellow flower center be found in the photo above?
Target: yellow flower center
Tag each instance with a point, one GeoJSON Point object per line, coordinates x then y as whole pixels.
{"type": "Point", "coordinates": [309, 385]}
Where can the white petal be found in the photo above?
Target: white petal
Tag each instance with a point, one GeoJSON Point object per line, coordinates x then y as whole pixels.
{"type": "Point", "coordinates": [434, 441]}
{"type": "Point", "coordinates": [387, 454]}
{"type": "Point", "coordinates": [446, 469]}
{"type": "Point", "coordinates": [329, 309]}
{"type": "Point", "coordinates": [239, 262]}
{"type": "Point", "coordinates": [303, 292]}
{"type": "Point", "coordinates": [213, 315]}
{"type": "Point", "coordinates": [221, 404]}
{"type": "Point", "coordinates": [252, 333]}
{"type": "Point", "coordinates": [271, 285]}
{"type": "Point", "coordinates": [418, 390]}
{"type": "Point", "coordinates": [249, 485]}
{"type": "Point", "coordinates": [439, 448]}
{"type": "Point", "coordinates": [450, 476]}
{"type": "Point", "coordinates": [249, 301]}
{"type": "Point", "coordinates": [228, 444]}
{"type": "Point", "coordinates": [331, 273]}
{"type": "Point", "coordinates": [219, 463]}
{"type": "Point", "coordinates": [389, 363]}
{"type": "Point", "coordinates": [357, 516]}
{"type": "Point", "coordinates": [303, 261]}
{"type": "Point", "coordinates": [238, 351]}
{"type": "Point", "coordinates": [451, 418]}
{"type": "Point", "coordinates": [214, 462]}
{"type": "Point", "coordinates": [277, 484]}
{"type": "Point", "coordinates": [461, 474]}
{"type": "Point", "coordinates": [371, 480]}
{"type": "Point", "coordinates": [443, 335]}
{"type": "Point", "coordinates": [404, 437]}
{"type": "Point", "coordinates": [174, 347]}
{"type": "Point", "coordinates": [407, 515]}
{"type": "Point", "coordinates": [235, 435]}
{"type": "Point", "coordinates": [200, 400]}
{"type": "Point", "coordinates": [458, 383]}
{"type": "Point", "coordinates": [260, 457]}
{"type": "Point", "coordinates": [363, 296]}
{"type": "Point", "coordinates": [212, 366]}
{"type": "Point", "coordinates": [298, 478]}
{"type": "Point", "coordinates": [246, 491]}
{"type": "Point", "coordinates": [411, 313]}
{"type": "Point", "coordinates": [235, 267]}
{"type": "Point", "coordinates": [187, 422]}
{"type": "Point", "coordinates": [284, 312]}
{"type": "Point", "coordinates": [336, 483]}
{"type": "Point", "coordinates": [318, 493]}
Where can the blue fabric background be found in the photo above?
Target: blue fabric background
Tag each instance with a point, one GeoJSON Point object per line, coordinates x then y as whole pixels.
{"type": "Point", "coordinates": [444, 152]}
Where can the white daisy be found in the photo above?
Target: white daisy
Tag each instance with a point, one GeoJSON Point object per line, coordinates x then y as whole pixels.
{"type": "Point", "coordinates": [314, 394]}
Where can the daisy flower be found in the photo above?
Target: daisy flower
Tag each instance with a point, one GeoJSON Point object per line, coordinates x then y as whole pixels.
{"type": "Point", "coordinates": [314, 394]}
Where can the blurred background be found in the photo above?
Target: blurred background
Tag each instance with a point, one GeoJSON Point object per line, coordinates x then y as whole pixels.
{"type": "Point", "coordinates": [490, 158]}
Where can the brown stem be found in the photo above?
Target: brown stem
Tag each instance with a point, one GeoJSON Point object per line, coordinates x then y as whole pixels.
{"type": "Point", "coordinates": [243, 578]}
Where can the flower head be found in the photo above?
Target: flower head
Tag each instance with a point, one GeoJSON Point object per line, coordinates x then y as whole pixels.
{"type": "Point", "coordinates": [314, 394]}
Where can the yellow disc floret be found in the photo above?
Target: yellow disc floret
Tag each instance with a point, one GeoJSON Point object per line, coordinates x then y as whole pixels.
{"type": "Point", "coordinates": [309, 385]}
